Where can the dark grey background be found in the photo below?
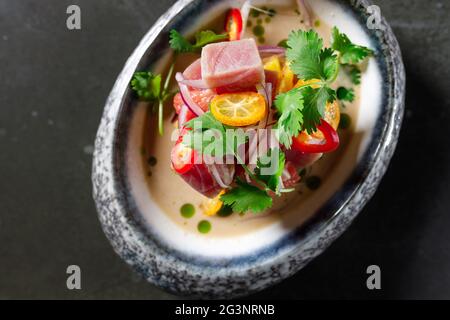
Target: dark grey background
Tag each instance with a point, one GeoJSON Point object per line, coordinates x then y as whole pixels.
{"type": "Point", "coordinates": [53, 84]}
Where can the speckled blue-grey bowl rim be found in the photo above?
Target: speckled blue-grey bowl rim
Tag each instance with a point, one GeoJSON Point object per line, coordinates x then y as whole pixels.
{"type": "Point", "coordinates": [227, 278]}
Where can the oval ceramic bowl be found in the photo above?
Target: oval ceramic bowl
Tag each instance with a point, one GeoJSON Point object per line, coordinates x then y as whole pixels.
{"type": "Point", "coordinates": [238, 266]}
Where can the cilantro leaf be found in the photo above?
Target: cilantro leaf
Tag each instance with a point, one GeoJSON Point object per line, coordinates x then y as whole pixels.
{"type": "Point", "coordinates": [355, 74]}
{"type": "Point", "coordinates": [307, 58]}
{"type": "Point", "coordinates": [350, 53]}
{"type": "Point", "coordinates": [345, 94]}
{"type": "Point", "coordinates": [271, 176]}
{"type": "Point", "coordinates": [210, 137]}
{"type": "Point", "coordinates": [203, 38]}
{"type": "Point", "coordinates": [315, 101]}
{"type": "Point", "coordinates": [329, 62]}
{"type": "Point", "coordinates": [290, 107]}
{"type": "Point", "coordinates": [147, 85]}
{"type": "Point", "coordinates": [246, 197]}
{"type": "Point", "coordinates": [180, 44]}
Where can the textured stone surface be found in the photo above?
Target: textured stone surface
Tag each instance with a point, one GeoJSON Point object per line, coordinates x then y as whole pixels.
{"type": "Point", "coordinates": [53, 87]}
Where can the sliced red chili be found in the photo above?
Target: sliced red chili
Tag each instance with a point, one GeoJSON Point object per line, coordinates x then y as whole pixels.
{"type": "Point", "coordinates": [331, 140]}
{"type": "Point", "coordinates": [233, 24]}
{"type": "Point", "coordinates": [182, 157]}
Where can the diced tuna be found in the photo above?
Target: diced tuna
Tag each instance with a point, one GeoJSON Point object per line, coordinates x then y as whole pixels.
{"type": "Point", "coordinates": [235, 63]}
{"type": "Point", "coordinates": [194, 71]}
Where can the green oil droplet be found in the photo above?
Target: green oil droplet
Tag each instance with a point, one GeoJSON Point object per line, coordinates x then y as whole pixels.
{"type": "Point", "coordinates": [261, 40]}
{"type": "Point", "coordinates": [152, 161]}
{"type": "Point", "coordinates": [345, 121]}
{"type": "Point", "coordinates": [317, 23]}
{"type": "Point", "coordinates": [204, 226]}
{"type": "Point", "coordinates": [254, 13]}
{"type": "Point", "coordinates": [249, 23]}
{"type": "Point", "coordinates": [259, 21]}
{"type": "Point", "coordinates": [258, 31]}
{"type": "Point", "coordinates": [267, 19]}
{"type": "Point", "coordinates": [313, 182]}
{"type": "Point", "coordinates": [187, 210]}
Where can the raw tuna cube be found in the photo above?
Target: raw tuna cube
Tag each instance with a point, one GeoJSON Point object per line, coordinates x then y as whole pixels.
{"type": "Point", "coordinates": [234, 63]}
{"type": "Point", "coordinates": [194, 71]}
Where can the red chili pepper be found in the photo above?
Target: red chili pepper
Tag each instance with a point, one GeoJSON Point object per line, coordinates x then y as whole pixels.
{"type": "Point", "coordinates": [331, 140]}
{"type": "Point", "coordinates": [182, 158]}
{"type": "Point", "coordinates": [233, 24]}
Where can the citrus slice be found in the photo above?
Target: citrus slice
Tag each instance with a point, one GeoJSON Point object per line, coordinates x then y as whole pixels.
{"type": "Point", "coordinates": [212, 206]}
{"type": "Point", "coordinates": [287, 79]}
{"type": "Point", "coordinates": [301, 83]}
{"type": "Point", "coordinates": [273, 64]}
{"type": "Point", "coordinates": [238, 109]}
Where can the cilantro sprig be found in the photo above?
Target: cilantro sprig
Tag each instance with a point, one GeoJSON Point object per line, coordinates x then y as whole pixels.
{"type": "Point", "coordinates": [349, 52]}
{"type": "Point", "coordinates": [181, 45]}
{"type": "Point", "coordinates": [355, 74]}
{"type": "Point", "coordinates": [147, 86]}
{"type": "Point", "coordinates": [265, 172]}
{"type": "Point", "coordinates": [302, 108]}
{"type": "Point", "coordinates": [308, 59]}
{"type": "Point", "coordinates": [345, 94]}
{"type": "Point", "coordinates": [290, 107]}
{"type": "Point", "coordinates": [246, 197]}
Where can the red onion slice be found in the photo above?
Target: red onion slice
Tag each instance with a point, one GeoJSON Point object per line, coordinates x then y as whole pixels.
{"type": "Point", "coordinates": [271, 50]}
{"type": "Point", "coordinates": [217, 177]}
{"type": "Point", "coordinates": [226, 172]}
{"type": "Point", "coordinates": [186, 96]}
{"type": "Point", "coordinates": [245, 11]}
{"type": "Point", "coordinates": [198, 84]}
{"type": "Point", "coordinates": [182, 116]}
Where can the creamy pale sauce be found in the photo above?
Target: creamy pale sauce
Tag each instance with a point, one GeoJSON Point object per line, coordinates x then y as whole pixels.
{"type": "Point", "coordinates": [170, 192]}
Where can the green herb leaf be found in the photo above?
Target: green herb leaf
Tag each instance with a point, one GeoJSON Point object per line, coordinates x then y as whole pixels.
{"type": "Point", "coordinates": [203, 38]}
{"type": "Point", "coordinates": [210, 137]}
{"type": "Point", "coordinates": [246, 197]}
{"type": "Point", "coordinates": [345, 94]}
{"type": "Point", "coordinates": [290, 107]}
{"type": "Point", "coordinates": [315, 101]}
{"type": "Point", "coordinates": [349, 53]}
{"type": "Point", "coordinates": [307, 58]}
{"type": "Point", "coordinates": [355, 74]}
{"type": "Point", "coordinates": [181, 45]}
{"type": "Point", "coordinates": [272, 180]}
{"type": "Point", "coordinates": [147, 85]}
